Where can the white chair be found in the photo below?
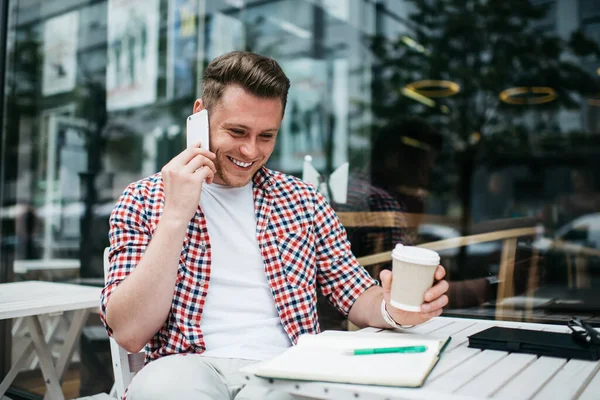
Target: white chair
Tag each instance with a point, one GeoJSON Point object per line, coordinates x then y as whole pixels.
{"type": "Point", "coordinates": [125, 364]}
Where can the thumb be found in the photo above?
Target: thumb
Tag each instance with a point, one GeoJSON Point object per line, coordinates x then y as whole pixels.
{"type": "Point", "coordinates": [386, 283]}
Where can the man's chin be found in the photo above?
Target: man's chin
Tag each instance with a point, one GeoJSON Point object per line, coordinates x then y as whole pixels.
{"type": "Point", "coordinates": [234, 181]}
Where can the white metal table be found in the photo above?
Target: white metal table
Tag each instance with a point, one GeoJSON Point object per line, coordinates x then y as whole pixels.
{"type": "Point", "coordinates": [467, 373]}
{"type": "Point", "coordinates": [31, 299]}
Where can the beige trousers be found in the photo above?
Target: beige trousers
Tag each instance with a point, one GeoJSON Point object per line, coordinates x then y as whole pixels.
{"type": "Point", "coordinates": [194, 377]}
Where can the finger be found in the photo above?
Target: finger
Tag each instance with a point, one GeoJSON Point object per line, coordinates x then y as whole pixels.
{"type": "Point", "coordinates": [386, 282]}
{"type": "Point", "coordinates": [440, 273]}
{"type": "Point", "coordinates": [436, 291]}
{"type": "Point", "coordinates": [188, 154]}
{"type": "Point", "coordinates": [438, 303]}
{"type": "Point", "coordinates": [198, 162]}
{"type": "Point", "coordinates": [204, 174]}
{"type": "Point", "coordinates": [205, 152]}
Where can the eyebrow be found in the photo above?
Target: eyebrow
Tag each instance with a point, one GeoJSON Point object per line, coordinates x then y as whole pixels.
{"type": "Point", "coordinates": [245, 127]}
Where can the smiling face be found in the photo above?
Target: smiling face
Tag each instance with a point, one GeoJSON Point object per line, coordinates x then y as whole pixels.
{"type": "Point", "coordinates": [243, 129]}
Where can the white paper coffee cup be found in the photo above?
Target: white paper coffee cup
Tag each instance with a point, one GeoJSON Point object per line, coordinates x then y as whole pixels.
{"type": "Point", "coordinates": [413, 270]}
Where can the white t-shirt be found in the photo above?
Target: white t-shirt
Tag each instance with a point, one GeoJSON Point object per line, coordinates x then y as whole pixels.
{"type": "Point", "coordinates": [239, 319]}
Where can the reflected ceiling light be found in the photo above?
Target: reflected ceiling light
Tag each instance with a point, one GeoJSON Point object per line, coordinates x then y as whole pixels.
{"type": "Point", "coordinates": [417, 97]}
{"type": "Point", "coordinates": [415, 143]}
{"type": "Point", "coordinates": [598, 71]}
{"type": "Point", "coordinates": [434, 88]}
{"type": "Point", "coordinates": [291, 28]}
{"type": "Point", "coordinates": [413, 44]}
{"type": "Point", "coordinates": [236, 3]}
{"type": "Point", "coordinates": [528, 95]}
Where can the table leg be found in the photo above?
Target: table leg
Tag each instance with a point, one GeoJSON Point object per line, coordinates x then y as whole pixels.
{"type": "Point", "coordinates": [54, 391]}
{"type": "Point", "coordinates": [52, 323]}
{"type": "Point", "coordinates": [14, 371]}
{"type": "Point", "coordinates": [17, 326]}
{"type": "Point", "coordinates": [66, 353]}
{"type": "Point", "coordinates": [77, 323]}
{"type": "Point", "coordinates": [53, 376]}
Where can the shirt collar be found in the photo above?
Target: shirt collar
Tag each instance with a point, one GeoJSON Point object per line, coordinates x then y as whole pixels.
{"type": "Point", "coordinates": [263, 179]}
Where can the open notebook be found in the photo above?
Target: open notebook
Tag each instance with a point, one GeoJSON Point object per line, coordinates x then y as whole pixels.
{"type": "Point", "coordinates": [330, 358]}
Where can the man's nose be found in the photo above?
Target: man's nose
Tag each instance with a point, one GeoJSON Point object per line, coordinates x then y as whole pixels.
{"type": "Point", "coordinates": [249, 149]}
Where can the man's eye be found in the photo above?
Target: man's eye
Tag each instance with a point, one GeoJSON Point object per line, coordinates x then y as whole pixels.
{"type": "Point", "coordinates": [237, 131]}
{"type": "Point", "coordinates": [267, 136]}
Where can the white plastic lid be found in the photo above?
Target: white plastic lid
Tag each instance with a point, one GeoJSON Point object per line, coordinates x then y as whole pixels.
{"type": "Point", "coordinates": [416, 255]}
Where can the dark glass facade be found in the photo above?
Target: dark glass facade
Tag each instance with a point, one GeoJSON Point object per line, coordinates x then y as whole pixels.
{"type": "Point", "coordinates": [455, 118]}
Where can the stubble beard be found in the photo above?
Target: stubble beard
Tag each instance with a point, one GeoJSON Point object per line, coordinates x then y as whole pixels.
{"type": "Point", "coordinates": [228, 182]}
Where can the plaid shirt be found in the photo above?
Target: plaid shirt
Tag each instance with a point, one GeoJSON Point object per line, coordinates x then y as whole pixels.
{"type": "Point", "coordinates": [303, 245]}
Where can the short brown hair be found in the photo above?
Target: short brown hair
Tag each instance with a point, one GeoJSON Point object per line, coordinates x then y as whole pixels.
{"type": "Point", "coordinates": [259, 75]}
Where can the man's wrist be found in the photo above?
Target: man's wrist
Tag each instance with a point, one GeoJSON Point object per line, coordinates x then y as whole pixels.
{"type": "Point", "coordinates": [173, 220]}
{"type": "Point", "coordinates": [389, 319]}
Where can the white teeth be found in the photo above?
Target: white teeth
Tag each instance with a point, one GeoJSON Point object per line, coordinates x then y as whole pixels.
{"type": "Point", "coordinates": [239, 163]}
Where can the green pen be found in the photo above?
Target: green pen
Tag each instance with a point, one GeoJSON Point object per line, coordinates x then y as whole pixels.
{"type": "Point", "coordinates": [385, 350]}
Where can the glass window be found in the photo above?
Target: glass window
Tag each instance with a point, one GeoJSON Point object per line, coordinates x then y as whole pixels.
{"type": "Point", "coordinates": [589, 9]}
{"type": "Point", "coordinates": [454, 118]}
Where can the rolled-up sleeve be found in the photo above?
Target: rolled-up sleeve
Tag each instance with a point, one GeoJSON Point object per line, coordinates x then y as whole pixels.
{"type": "Point", "coordinates": [341, 278]}
{"type": "Point", "coordinates": [129, 235]}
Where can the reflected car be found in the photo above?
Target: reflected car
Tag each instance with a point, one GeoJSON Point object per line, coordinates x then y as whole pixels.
{"type": "Point", "coordinates": [584, 231]}
{"type": "Point", "coordinates": [575, 247]}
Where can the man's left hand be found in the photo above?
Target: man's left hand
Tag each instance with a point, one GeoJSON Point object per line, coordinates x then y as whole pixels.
{"type": "Point", "coordinates": [435, 299]}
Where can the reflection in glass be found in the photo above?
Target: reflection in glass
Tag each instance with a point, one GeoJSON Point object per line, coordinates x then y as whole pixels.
{"type": "Point", "coordinates": [97, 94]}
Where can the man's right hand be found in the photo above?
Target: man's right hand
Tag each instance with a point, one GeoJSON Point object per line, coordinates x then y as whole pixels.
{"type": "Point", "coordinates": [183, 177]}
{"type": "Point", "coordinates": [141, 305]}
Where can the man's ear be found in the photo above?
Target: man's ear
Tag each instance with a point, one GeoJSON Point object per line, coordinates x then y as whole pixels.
{"type": "Point", "coordinates": [198, 106]}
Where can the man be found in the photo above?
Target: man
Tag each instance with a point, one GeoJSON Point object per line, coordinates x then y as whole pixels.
{"type": "Point", "coordinates": [220, 257]}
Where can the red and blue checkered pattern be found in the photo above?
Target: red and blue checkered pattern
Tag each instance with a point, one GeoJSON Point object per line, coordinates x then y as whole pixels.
{"type": "Point", "coordinates": [303, 245]}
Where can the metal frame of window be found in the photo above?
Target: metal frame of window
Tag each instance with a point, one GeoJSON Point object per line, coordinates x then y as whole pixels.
{"type": "Point", "coordinates": [5, 326]}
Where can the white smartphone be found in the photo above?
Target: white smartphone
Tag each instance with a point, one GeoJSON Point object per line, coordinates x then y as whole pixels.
{"type": "Point", "coordinates": [197, 129]}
